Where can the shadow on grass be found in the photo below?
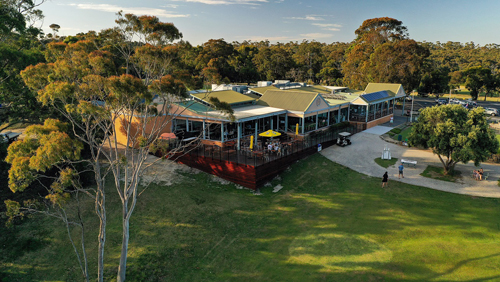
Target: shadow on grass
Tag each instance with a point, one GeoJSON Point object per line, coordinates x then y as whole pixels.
{"type": "Point", "coordinates": [328, 223]}
{"type": "Point", "coordinates": [435, 172]}
{"type": "Point", "coordinates": [334, 228]}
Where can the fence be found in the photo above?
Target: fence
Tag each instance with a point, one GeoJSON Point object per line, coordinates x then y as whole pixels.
{"type": "Point", "coordinates": [262, 156]}
{"type": "Point", "coordinates": [253, 168]}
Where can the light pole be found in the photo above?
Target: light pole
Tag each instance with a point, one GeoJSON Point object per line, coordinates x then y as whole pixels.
{"type": "Point", "coordinates": [411, 111]}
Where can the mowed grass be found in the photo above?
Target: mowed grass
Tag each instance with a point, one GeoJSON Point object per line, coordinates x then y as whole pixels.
{"type": "Point", "coordinates": [404, 134]}
{"type": "Point", "coordinates": [328, 223]}
{"type": "Point", "coordinates": [386, 163]}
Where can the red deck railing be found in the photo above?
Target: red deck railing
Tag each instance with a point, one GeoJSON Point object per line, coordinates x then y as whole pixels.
{"type": "Point", "coordinates": [252, 169]}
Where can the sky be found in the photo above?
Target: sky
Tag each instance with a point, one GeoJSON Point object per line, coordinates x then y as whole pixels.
{"type": "Point", "coordinates": [283, 21]}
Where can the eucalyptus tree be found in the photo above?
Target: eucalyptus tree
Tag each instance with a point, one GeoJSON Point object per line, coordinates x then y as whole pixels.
{"type": "Point", "coordinates": [98, 99]}
{"type": "Point", "coordinates": [383, 52]}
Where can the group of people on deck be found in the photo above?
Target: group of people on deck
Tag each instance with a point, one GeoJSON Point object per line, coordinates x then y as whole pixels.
{"type": "Point", "coordinates": [478, 174]}
{"type": "Point", "coordinates": [274, 147]}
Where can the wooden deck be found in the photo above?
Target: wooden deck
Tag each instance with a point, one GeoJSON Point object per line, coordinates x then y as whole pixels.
{"type": "Point", "coordinates": [251, 169]}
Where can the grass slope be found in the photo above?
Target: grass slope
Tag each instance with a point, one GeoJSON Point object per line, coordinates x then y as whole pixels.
{"type": "Point", "coordinates": [328, 223]}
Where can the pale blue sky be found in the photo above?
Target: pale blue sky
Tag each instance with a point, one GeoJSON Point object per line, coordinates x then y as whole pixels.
{"type": "Point", "coordinates": [288, 20]}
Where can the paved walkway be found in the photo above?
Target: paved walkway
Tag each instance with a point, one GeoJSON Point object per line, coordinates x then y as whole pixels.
{"type": "Point", "coordinates": [366, 147]}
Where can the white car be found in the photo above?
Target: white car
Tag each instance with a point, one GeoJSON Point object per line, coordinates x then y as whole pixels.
{"type": "Point", "coordinates": [491, 111]}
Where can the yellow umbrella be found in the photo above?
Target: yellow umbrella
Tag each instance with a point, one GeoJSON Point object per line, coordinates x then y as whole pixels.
{"type": "Point", "coordinates": [297, 129]}
{"type": "Point", "coordinates": [251, 142]}
{"type": "Point", "coordinates": [270, 133]}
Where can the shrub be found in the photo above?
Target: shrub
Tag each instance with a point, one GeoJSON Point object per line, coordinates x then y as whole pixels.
{"type": "Point", "coordinates": [495, 158]}
{"type": "Point", "coordinates": [337, 126]}
{"type": "Point", "coordinates": [396, 130]}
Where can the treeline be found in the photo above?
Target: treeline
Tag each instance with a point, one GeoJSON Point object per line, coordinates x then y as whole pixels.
{"type": "Point", "coordinates": [382, 52]}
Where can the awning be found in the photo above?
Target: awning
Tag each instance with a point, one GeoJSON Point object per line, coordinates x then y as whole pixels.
{"type": "Point", "coordinates": [167, 136]}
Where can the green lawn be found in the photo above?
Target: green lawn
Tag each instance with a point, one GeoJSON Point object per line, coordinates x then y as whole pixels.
{"type": "Point", "coordinates": [404, 134]}
{"type": "Point", "coordinates": [385, 163]}
{"type": "Point", "coordinates": [328, 223]}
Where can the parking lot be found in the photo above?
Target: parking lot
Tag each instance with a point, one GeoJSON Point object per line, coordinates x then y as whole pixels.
{"type": "Point", "coordinates": [420, 102]}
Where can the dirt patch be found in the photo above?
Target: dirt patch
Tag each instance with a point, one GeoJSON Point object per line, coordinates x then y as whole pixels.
{"type": "Point", "coordinates": [164, 172]}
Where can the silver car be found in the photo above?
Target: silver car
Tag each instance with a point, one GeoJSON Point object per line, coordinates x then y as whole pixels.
{"type": "Point", "coordinates": [491, 111]}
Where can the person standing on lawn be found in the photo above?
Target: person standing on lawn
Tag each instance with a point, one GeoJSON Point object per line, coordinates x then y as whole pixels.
{"type": "Point", "coordinates": [401, 167]}
{"type": "Point", "coordinates": [384, 179]}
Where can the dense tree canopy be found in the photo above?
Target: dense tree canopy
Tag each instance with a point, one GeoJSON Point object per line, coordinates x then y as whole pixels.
{"type": "Point", "coordinates": [19, 48]}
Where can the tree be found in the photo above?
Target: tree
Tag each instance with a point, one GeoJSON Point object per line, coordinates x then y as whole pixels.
{"type": "Point", "coordinates": [454, 134]}
{"type": "Point", "coordinates": [216, 54]}
{"type": "Point", "coordinates": [55, 28]}
{"type": "Point", "coordinates": [45, 147]}
{"type": "Point", "coordinates": [477, 78]}
{"type": "Point", "coordinates": [382, 52]}
{"type": "Point", "coordinates": [309, 58]}
{"type": "Point", "coordinates": [273, 62]}
{"type": "Point", "coordinates": [85, 86]}
{"type": "Point", "coordinates": [19, 48]}
{"type": "Point", "coordinates": [435, 81]}
{"type": "Point", "coordinates": [243, 65]}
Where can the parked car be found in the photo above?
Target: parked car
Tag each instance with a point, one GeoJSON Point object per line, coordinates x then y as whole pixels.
{"type": "Point", "coordinates": [454, 101]}
{"type": "Point", "coordinates": [442, 101]}
{"type": "Point", "coordinates": [9, 137]}
{"type": "Point", "coordinates": [409, 98]}
{"type": "Point", "coordinates": [491, 111]}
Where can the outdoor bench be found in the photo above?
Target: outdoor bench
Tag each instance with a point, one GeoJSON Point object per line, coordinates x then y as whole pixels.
{"type": "Point", "coordinates": [409, 162]}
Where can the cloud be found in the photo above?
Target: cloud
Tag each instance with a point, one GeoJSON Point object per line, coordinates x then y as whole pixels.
{"type": "Point", "coordinates": [330, 27]}
{"type": "Point", "coordinates": [307, 18]}
{"type": "Point", "coordinates": [133, 10]}
{"type": "Point", "coordinates": [315, 35]}
{"type": "Point", "coordinates": [172, 6]}
{"type": "Point", "coordinates": [327, 25]}
{"type": "Point", "coordinates": [227, 2]}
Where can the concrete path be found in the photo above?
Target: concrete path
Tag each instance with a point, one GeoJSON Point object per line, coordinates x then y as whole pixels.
{"type": "Point", "coordinates": [366, 147]}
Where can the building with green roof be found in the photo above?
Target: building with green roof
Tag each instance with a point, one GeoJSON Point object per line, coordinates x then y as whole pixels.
{"type": "Point", "coordinates": [376, 104]}
{"type": "Point", "coordinates": [284, 107]}
{"type": "Point", "coordinates": [229, 96]}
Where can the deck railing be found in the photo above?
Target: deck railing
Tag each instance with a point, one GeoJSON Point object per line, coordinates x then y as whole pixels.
{"type": "Point", "coordinates": [260, 156]}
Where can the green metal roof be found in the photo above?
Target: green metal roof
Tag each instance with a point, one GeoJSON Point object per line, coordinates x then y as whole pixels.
{"type": "Point", "coordinates": [349, 98]}
{"type": "Point", "coordinates": [252, 95]}
{"type": "Point", "coordinates": [262, 90]}
{"type": "Point", "coordinates": [313, 88]}
{"type": "Point", "coordinates": [391, 88]}
{"type": "Point", "coordinates": [228, 96]}
{"type": "Point", "coordinates": [195, 106]}
{"type": "Point", "coordinates": [288, 99]}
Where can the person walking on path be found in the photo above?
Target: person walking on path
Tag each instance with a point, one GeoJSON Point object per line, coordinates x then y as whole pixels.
{"type": "Point", "coordinates": [401, 167]}
{"type": "Point", "coordinates": [384, 179]}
